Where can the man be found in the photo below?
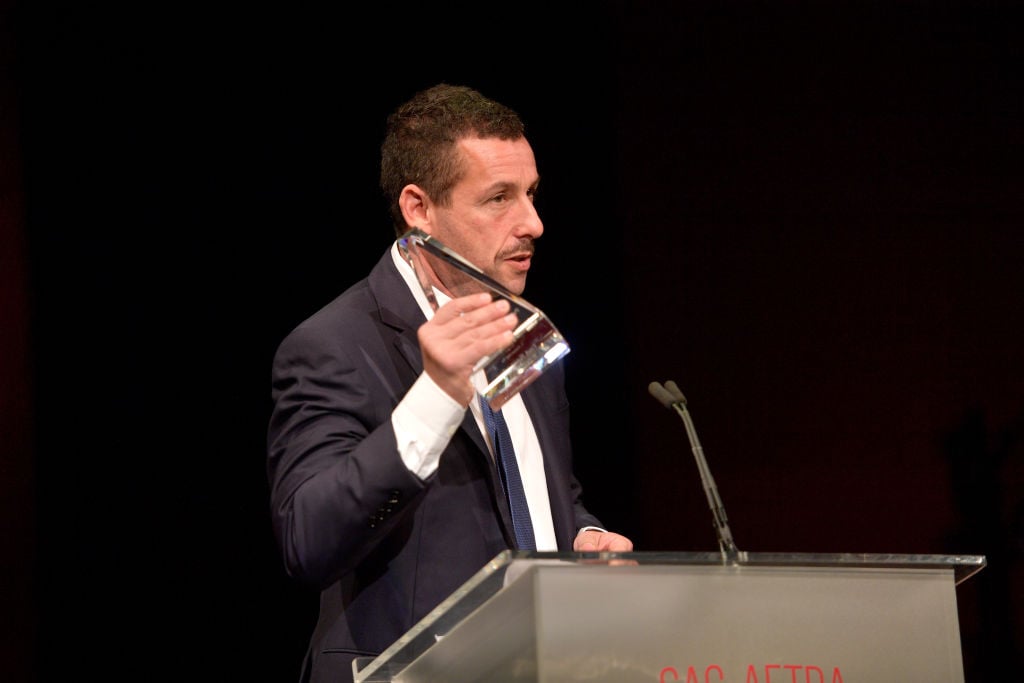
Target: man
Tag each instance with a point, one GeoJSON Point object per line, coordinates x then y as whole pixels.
{"type": "Point", "coordinates": [384, 488]}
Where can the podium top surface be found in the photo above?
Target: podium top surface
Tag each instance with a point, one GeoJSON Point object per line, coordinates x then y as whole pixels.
{"type": "Point", "coordinates": [962, 566]}
{"type": "Point", "coordinates": [508, 565]}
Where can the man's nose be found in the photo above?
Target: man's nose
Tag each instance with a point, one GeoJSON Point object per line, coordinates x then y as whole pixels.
{"type": "Point", "coordinates": [531, 225]}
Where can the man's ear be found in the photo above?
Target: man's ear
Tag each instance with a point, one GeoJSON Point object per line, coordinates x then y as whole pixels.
{"type": "Point", "coordinates": [414, 203]}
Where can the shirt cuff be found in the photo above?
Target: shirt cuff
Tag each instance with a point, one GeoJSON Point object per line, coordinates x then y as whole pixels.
{"type": "Point", "coordinates": [424, 422]}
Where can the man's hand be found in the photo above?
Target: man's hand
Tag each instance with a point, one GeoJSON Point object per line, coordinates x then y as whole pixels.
{"type": "Point", "coordinates": [462, 332]}
{"type": "Point", "coordinates": [595, 540]}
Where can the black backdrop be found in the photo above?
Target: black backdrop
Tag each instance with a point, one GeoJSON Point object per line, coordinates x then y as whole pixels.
{"type": "Point", "coordinates": [808, 217]}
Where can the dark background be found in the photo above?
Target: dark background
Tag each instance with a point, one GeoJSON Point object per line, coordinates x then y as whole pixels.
{"type": "Point", "coordinates": [808, 215]}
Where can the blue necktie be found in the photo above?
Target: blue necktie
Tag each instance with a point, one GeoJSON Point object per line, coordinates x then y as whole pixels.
{"type": "Point", "coordinates": [510, 479]}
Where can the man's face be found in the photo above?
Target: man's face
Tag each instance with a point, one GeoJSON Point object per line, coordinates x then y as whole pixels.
{"type": "Point", "coordinates": [491, 219]}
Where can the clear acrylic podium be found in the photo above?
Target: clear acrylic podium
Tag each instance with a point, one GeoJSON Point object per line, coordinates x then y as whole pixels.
{"type": "Point", "coordinates": [658, 617]}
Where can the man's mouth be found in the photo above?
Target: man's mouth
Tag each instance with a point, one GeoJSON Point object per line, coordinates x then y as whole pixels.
{"type": "Point", "coordinates": [521, 260]}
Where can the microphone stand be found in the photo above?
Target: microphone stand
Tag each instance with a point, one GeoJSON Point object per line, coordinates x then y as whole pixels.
{"type": "Point", "coordinates": [671, 397]}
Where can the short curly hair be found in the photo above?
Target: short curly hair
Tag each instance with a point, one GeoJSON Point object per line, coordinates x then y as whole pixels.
{"type": "Point", "coordinates": [419, 143]}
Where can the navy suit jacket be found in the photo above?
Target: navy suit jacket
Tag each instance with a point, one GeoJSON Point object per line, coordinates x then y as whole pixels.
{"type": "Point", "coordinates": [383, 546]}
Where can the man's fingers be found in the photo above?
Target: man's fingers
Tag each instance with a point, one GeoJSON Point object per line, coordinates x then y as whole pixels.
{"type": "Point", "coordinates": [472, 311]}
{"type": "Point", "coordinates": [478, 340]}
{"type": "Point", "coordinates": [465, 304]}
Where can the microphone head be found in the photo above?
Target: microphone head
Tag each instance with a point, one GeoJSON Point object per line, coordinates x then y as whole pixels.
{"type": "Point", "coordinates": [661, 393]}
{"type": "Point", "coordinates": [674, 390]}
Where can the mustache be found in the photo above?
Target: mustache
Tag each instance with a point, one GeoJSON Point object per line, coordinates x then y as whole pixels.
{"type": "Point", "coordinates": [523, 247]}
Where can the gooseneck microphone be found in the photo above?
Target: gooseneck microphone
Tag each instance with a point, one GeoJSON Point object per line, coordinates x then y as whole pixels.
{"type": "Point", "coordinates": [671, 397]}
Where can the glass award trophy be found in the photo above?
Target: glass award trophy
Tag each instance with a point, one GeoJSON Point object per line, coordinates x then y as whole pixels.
{"type": "Point", "coordinates": [538, 343]}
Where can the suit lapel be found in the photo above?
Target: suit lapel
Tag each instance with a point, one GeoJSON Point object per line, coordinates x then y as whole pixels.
{"type": "Point", "coordinates": [399, 311]}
